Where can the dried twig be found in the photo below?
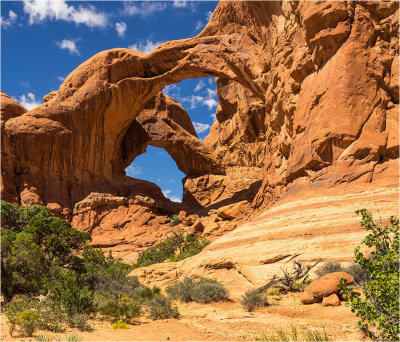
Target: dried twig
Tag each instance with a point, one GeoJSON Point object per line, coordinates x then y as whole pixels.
{"type": "Point", "coordinates": [286, 282]}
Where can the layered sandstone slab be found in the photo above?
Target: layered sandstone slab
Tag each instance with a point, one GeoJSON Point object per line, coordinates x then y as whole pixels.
{"type": "Point", "coordinates": [319, 225]}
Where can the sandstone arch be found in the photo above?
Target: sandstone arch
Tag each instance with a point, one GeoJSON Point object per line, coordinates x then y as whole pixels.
{"type": "Point", "coordinates": [308, 98]}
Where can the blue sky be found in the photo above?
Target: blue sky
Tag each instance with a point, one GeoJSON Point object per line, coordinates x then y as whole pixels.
{"type": "Point", "coordinates": [44, 40]}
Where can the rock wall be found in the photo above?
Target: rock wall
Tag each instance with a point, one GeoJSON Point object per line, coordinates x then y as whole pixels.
{"type": "Point", "coordinates": [308, 99]}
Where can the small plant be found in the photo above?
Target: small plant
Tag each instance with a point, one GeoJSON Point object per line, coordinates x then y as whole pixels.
{"type": "Point", "coordinates": [360, 275]}
{"type": "Point", "coordinates": [160, 307]}
{"type": "Point", "coordinates": [329, 267]}
{"type": "Point", "coordinates": [253, 299]}
{"type": "Point", "coordinates": [28, 322]}
{"type": "Point", "coordinates": [120, 324]}
{"type": "Point", "coordinates": [125, 310]}
{"type": "Point", "coordinates": [379, 309]}
{"type": "Point", "coordinates": [294, 334]}
{"type": "Point", "coordinates": [175, 247]}
{"type": "Point", "coordinates": [201, 291]}
{"type": "Point", "coordinates": [42, 338]}
{"type": "Point", "coordinates": [175, 220]}
{"type": "Point", "coordinates": [73, 337]}
{"type": "Point", "coordinates": [80, 321]}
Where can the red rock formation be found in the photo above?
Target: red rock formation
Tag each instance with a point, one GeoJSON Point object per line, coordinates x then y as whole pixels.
{"type": "Point", "coordinates": [308, 97]}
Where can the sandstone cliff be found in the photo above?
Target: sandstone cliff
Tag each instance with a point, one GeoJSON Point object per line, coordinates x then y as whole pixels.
{"type": "Point", "coordinates": [308, 100]}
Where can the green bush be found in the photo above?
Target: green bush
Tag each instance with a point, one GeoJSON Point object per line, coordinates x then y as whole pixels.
{"type": "Point", "coordinates": [125, 309]}
{"type": "Point", "coordinates": [68, 287]}
{"type": "Point", "coordinates": [32, 243]}
{"type": "Point", "coordinates": [175, 247]}
{"type": "Point", "coordinates": [253, 299]}
{"type": "Point", "coordinates": [160, 307]}
{"type": "Point", "coordinates": [353, 269]}
{"type": "Point", "coordinates": [174, 220]}
{"type": "Point", "coordinates": [201, 291]}
{"type": "Point", "coordinates": [80, 321]}
{"type": "Point", "coordinates": [28, 322]}
{"type": "Point", "coordinates": [329, 267]}
{"type": "Point", "coordinates": [379, 309]}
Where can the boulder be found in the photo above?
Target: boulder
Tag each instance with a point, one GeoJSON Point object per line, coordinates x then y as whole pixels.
{"type": "Point", "coordinates": [332, 300]}
{"type": "Point", "coordinates": [182, 215]}
{"type": "Point", "coordinates": [324, 287]}
{"type": "Point", "coordinates": [232, 211]}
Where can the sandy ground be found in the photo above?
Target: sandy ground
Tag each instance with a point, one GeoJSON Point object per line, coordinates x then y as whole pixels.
{"type": "Point", "coordinates": [222, 322]}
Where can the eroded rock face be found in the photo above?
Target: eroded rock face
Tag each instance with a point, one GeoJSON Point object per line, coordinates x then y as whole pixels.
{"type": "Point", "coordinates": [308, 99]}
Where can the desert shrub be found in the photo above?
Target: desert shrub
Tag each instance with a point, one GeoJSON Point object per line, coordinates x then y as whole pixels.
{"type": "Point", "coordinates": [32, 242]}
{"type": "Point", "coordinates": [360, 275]}
{"type": "Point", "coordinates": [28, 322]}
{"type": "Point", "coordinates": [125, 309]}
{"type": "Point", "coordinates": [379, 309]}
{"type": "Point", "coordinates": [15, 308]}
{"type": "Point", "coordinates": [201, 291]}
{"type": "Point", "coordinates": [160, 307]}
{"type": "Point", "coordinates": [175, 247]}
{"type": "Point", "coordinates": [191, 246]}
{"type": "Point", "coordinates": [174, 220]}
{"type": "Point", "coordinates": [107, 274]}
{"type": "Point", "coordinates": [79, 321]}
{"type": "Point", "coordinates": [42, 338]}
{"type": "Point", "coordinates": [73, 337]}
{"type": "Point", "coordinates": [294, 334]}
{"type": "Point", "coordinates": [253, 299]}
{"type": "Point", "coordinates": [52, 315]}
{"type": "Point", "coordinates": [68, 287]}
{"type": "Point", "coordinates": [120, 325]}
{"type": "Point", "coordinates": [329, 267]}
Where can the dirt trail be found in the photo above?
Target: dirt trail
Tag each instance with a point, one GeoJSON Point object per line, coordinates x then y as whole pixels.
{"type": "Point", "coordinates": [224, 321]}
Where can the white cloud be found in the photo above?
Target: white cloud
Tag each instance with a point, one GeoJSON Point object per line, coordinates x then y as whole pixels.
{"type": "Point", "coordinates": [213, 116]}
{"type": "Point", "coordinates": [172, 90]}
{"type": "Point", "coordinates": [180, 4]}
{"type": "Point", "coordinates": [167, 193]}
{"type": "Point", "coordinates": [211, 81]}
{"type": "Point", "coordinates": [68, 45]}
{"type": "Point", "coordinates": [175, 199]}
{"type": "Point", "coordinates": [199, 85]}
{"type": "Point", "coordinates": [144, 9]}
{"type": "Point", "coordinates": [199, 25]}
{"type": "Point", "coordinates": [121, 28]}
{"type": "Point", "coordinates": [209, 15]}
{"type": "Point", "coordinates": [12, 18]}
{"type": "Point", "coordinates": [200, 127]}
{"type": "Point", "coordinates": [145, 47]}
{"type": "Point", "coordinates": [29, 101]}
{"type": "Point", "coordinates": [61, 78]}
{"type": "Point", "coordinates": [133, 170]}
{"type": "Point", "coordinates": [40, 10]}
{"type": "Point", "coordinates": [211, 103]}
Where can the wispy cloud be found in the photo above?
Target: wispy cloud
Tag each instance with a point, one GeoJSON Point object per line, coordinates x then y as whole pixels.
{"type": "Point", "coordinates": [167, 193]}
{"type": "Point", "coordinates": [199, 85]}
{"type": "Point", "coordinates": [200, 127]}
{"type": "Point", "coordinates": [29, 101]}
{"type": "Point", "coordinates": [69, 45]}
{"type": "Point", "coordinates": [144, 9]}
{"type": "Point", "coordinates": [121, 28]}
{"type": "Point", "coordinates": [40, 10]}
{"type": "Point", "coordinates": [201, 24]}
{"type": "Point", "coordinates": [61, 78]}
{"type": "Point", "coordinates": [133, 170]}
{"type": "Point", "coordinates": [10, 21]}
{"type": "Point", "coordinates": [145, 46]}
